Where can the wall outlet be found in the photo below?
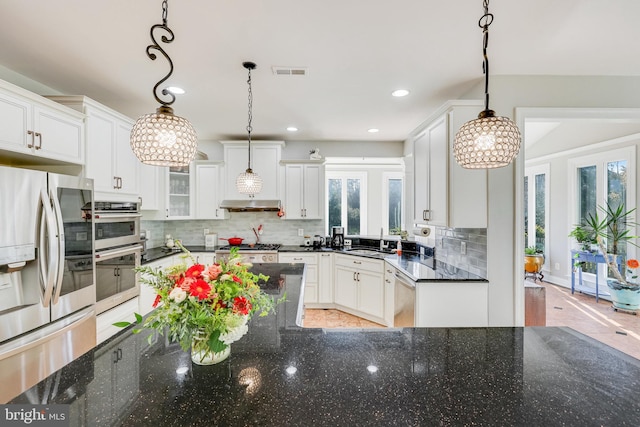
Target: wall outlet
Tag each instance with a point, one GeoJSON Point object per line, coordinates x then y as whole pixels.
{"type": "Point", "coordinates": [301, 232]}
{"type": "Point", "coordinates": [206, 231]}
{"type": "Point", "coordinates": [556, 266]}
{"type": "Point", "coordinates": [463, 248]}
{"type": "Point", "coordinates": [81, 236]}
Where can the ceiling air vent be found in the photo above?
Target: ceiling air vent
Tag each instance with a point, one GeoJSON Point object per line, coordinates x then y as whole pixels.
{"type": "Point", "coordinates": [290, 71]}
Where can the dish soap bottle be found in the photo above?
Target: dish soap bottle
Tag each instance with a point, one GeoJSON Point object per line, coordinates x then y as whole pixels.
{"type": "Point", "coordinates": [399, 248]}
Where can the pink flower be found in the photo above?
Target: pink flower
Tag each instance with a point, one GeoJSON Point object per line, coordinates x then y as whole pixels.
{"type": "Point", "coordinates": [212, 271]}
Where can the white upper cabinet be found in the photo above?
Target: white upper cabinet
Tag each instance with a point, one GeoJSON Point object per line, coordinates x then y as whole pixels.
{"type": "Point", "coordinates": [110, 161]}
{"type": "Point", "coordinates": [303, 190]}
{"type": "Point", "coordinates": [445, 194]}
{"type": "Point", "coordinates": [209, 190]}
{"type": "Point", "coordinates": [152, 187]}
{"type": "Point", "coordinates": [265, 162]}
{"type": "Point", "coordinates": [38, 127]}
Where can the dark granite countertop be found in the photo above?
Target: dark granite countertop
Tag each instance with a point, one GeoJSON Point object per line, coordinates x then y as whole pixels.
{"type": "Point", "coordinates": [283, 375]}
{"type": "Point", "coordinates": [418, 268]}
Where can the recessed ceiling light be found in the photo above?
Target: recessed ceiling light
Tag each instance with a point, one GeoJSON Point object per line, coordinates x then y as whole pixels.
{"type": "Point", "coordinates": [400, 92]}
{"type": "Point", "coordinates": [175, 90]}
{"type": "Point", "coordinates": [373, 130]}
{"type": "Point", "coordinates": [292, 129]}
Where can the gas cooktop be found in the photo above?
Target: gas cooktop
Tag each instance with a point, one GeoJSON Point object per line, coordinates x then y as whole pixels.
{"type": "Point", "coordinates": [256, 247]}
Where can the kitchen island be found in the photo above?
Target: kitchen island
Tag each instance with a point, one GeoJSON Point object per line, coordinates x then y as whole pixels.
{"type": "Point", "coordinates": [281, 374]}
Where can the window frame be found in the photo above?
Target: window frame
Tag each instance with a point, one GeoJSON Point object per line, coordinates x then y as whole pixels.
{"type": "Point", "coordinates": [601, 161]}
{"type": "Point", "coordinates": [344, 176]}
{"type": "Point", "coordinates": [386, 177]}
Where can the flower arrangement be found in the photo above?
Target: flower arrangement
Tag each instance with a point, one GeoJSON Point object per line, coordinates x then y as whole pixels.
{"type": "Point", "coordinates": [204, 307]}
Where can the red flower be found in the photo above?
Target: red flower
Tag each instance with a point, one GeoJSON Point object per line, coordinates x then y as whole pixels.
{"type": "Point", "coordinates": [156, 301]}
{"type": "Point", "coordinates": [195, 271]}
{"type": "Point", "coordinates": [241, 305]}
{"type": "Point", "coordinates": [633, 263]}
{"type": "Point", "coordinates": [200, 289]}
{"type": "Point", "coordinates": [237, 279]}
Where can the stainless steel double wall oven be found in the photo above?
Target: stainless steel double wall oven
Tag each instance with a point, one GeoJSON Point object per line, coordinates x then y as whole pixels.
{"type": "Point", "coordinates": [118, 252]}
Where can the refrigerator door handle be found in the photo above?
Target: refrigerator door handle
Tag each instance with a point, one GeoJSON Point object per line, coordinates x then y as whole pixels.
{"type": "Point", "coordinates": [60, 248]}
{"type": "Point", "coordinates": [47, 261]}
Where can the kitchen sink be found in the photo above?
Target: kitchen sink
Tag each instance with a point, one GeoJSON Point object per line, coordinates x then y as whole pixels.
{"type": "Point", "coordinates": [368, 252]}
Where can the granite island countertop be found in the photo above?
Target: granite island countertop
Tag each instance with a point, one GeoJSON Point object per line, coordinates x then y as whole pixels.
{"type": "Point", "coordinates": [283, 375]}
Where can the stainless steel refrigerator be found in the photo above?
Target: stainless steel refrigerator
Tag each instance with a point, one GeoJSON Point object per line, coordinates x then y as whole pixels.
{"type": "Point", "coordinates": [47, 275]}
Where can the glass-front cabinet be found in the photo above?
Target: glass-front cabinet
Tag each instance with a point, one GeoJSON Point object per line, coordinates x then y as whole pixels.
{"type": "Point", "coordinates": [179, 201]}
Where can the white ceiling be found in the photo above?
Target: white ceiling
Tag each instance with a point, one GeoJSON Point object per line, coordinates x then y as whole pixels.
{"type": "Point", "coordinates": [356, 51]}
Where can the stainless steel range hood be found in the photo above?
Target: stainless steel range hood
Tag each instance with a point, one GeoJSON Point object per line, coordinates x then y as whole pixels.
{"type": "Point", "coordinates": [251, 205]}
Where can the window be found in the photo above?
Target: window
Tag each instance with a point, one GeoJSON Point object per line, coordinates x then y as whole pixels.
{"type": "Point", "coordinates": [392, 215]}
{"type": "Point", "coordinates": [346, 204]}
{"type": "Point", "coordinates": [601, 179]}
{"type": "Point", "coordinates": [536, 205]}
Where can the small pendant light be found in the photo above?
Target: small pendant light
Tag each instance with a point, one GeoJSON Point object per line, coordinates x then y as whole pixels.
{"type": "Point", "coordinates": [249, 182]}
{"type": "Point", "coordinates": [489, 141]}
{"type": "Point", "coordinates": [161, 138]}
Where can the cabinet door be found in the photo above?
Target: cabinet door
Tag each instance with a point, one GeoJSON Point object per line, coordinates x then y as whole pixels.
{"type": "Point", "coordinates": [152, 180]}
{"type": "Point", "coordinates": [421, 178]}
{"type": "Point", "coordinates": [179, 195]}
{"type": "Point", "coordinates": [59, 136]}
{"type": "Point", "coordinates": [370, 293]}
{"type": "Point", "coordinates": [235, 163]}
{"type": "Point", "coordinates": [313, 192]}
{"type": "Point", "coordinates": [265, 161]}
{"type": "Point", "coordinates": [101, 152]}
{"type": "Point", "coordinates": [126, 162]}
{"type": "Point", "coordinates": [438, 173]}
{"type": "Point", "coordinates": [346, 287]}
{"type": "Point", "coordinates": [325, 279]}
{"type": "Point", "coordinates": [294, 191]}
{"type": "Point", "coordinates": [16, 121]}
{"type": "Point", "coordinates": [207, 193]}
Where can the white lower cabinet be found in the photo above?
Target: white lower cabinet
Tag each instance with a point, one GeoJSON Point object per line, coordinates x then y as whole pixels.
{"type": "Point", "coordinates": [452, 304]}
{"type": "Point", "coordinates": [359, 287]}
{"type": "Point", "coordinates": [120, 313]}
{"type": "Point", "coordinates": [325, 280]}
{"type": "Point", "coordinates": [205, 258]}
{"type": "Point", "coordinates": [311, 278]}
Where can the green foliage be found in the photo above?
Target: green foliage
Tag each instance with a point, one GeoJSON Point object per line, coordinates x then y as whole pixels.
{"type": "Point", "coordinates": [530, 250]}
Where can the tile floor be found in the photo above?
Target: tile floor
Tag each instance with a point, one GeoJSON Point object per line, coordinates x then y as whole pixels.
{"type": "Point", "coordinates": [577, 311]}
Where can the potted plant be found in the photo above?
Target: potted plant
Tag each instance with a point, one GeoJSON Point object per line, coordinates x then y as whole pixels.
{"type": "Point", "coordinates": [615, 226]}
{"type": "Point", "coordinates": [533, 262]}
{"type": "Point", "coordinates": [584, 236]}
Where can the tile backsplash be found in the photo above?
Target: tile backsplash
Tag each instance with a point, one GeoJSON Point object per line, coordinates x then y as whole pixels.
{"type": "Point", "coordinates": [275, 229]}
{"type": "Point", "coordinates": [449, 243]}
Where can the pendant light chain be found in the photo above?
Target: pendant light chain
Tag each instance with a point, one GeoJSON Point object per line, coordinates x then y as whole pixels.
{"type": "Point", "coordinates": [489, 141]}
{"type": "Point", "coordinates": [485, 21]}
{"type": "Point", "coordinates": [250, 116]}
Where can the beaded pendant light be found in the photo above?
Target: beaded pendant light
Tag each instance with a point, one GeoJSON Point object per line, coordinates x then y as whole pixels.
{"type": "Point", "coordinates": [489, 141]}
{"type": "Point", "coordinates": [162, 138]}
{"type": "Point", "coordinates": [249, 182]}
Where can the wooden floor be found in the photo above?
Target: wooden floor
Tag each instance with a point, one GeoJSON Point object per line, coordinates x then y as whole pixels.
{"type": "Point", "coordinates": [577, 311]}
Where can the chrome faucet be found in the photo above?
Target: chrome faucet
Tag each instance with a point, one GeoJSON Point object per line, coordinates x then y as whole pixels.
{"type": "Point", "coordinates": [382, 244]}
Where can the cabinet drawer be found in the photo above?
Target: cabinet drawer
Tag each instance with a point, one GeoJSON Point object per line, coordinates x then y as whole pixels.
{"type": "Point", "coordinates": [302, 258]}
{"type": "Point", "coordinates": [360, 263]}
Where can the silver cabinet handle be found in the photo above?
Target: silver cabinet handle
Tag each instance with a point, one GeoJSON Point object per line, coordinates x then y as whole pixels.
{"type": "Point", "coordinates": [354, 276]}
{"type": "Point", "coordinates": [30, 132]}
{"type": "Point", "coordinates": [115, 182]}
{"type": "Point", "coordinates": [357, 262]}
{"type": "Point", "coordinates": [39, 136]}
